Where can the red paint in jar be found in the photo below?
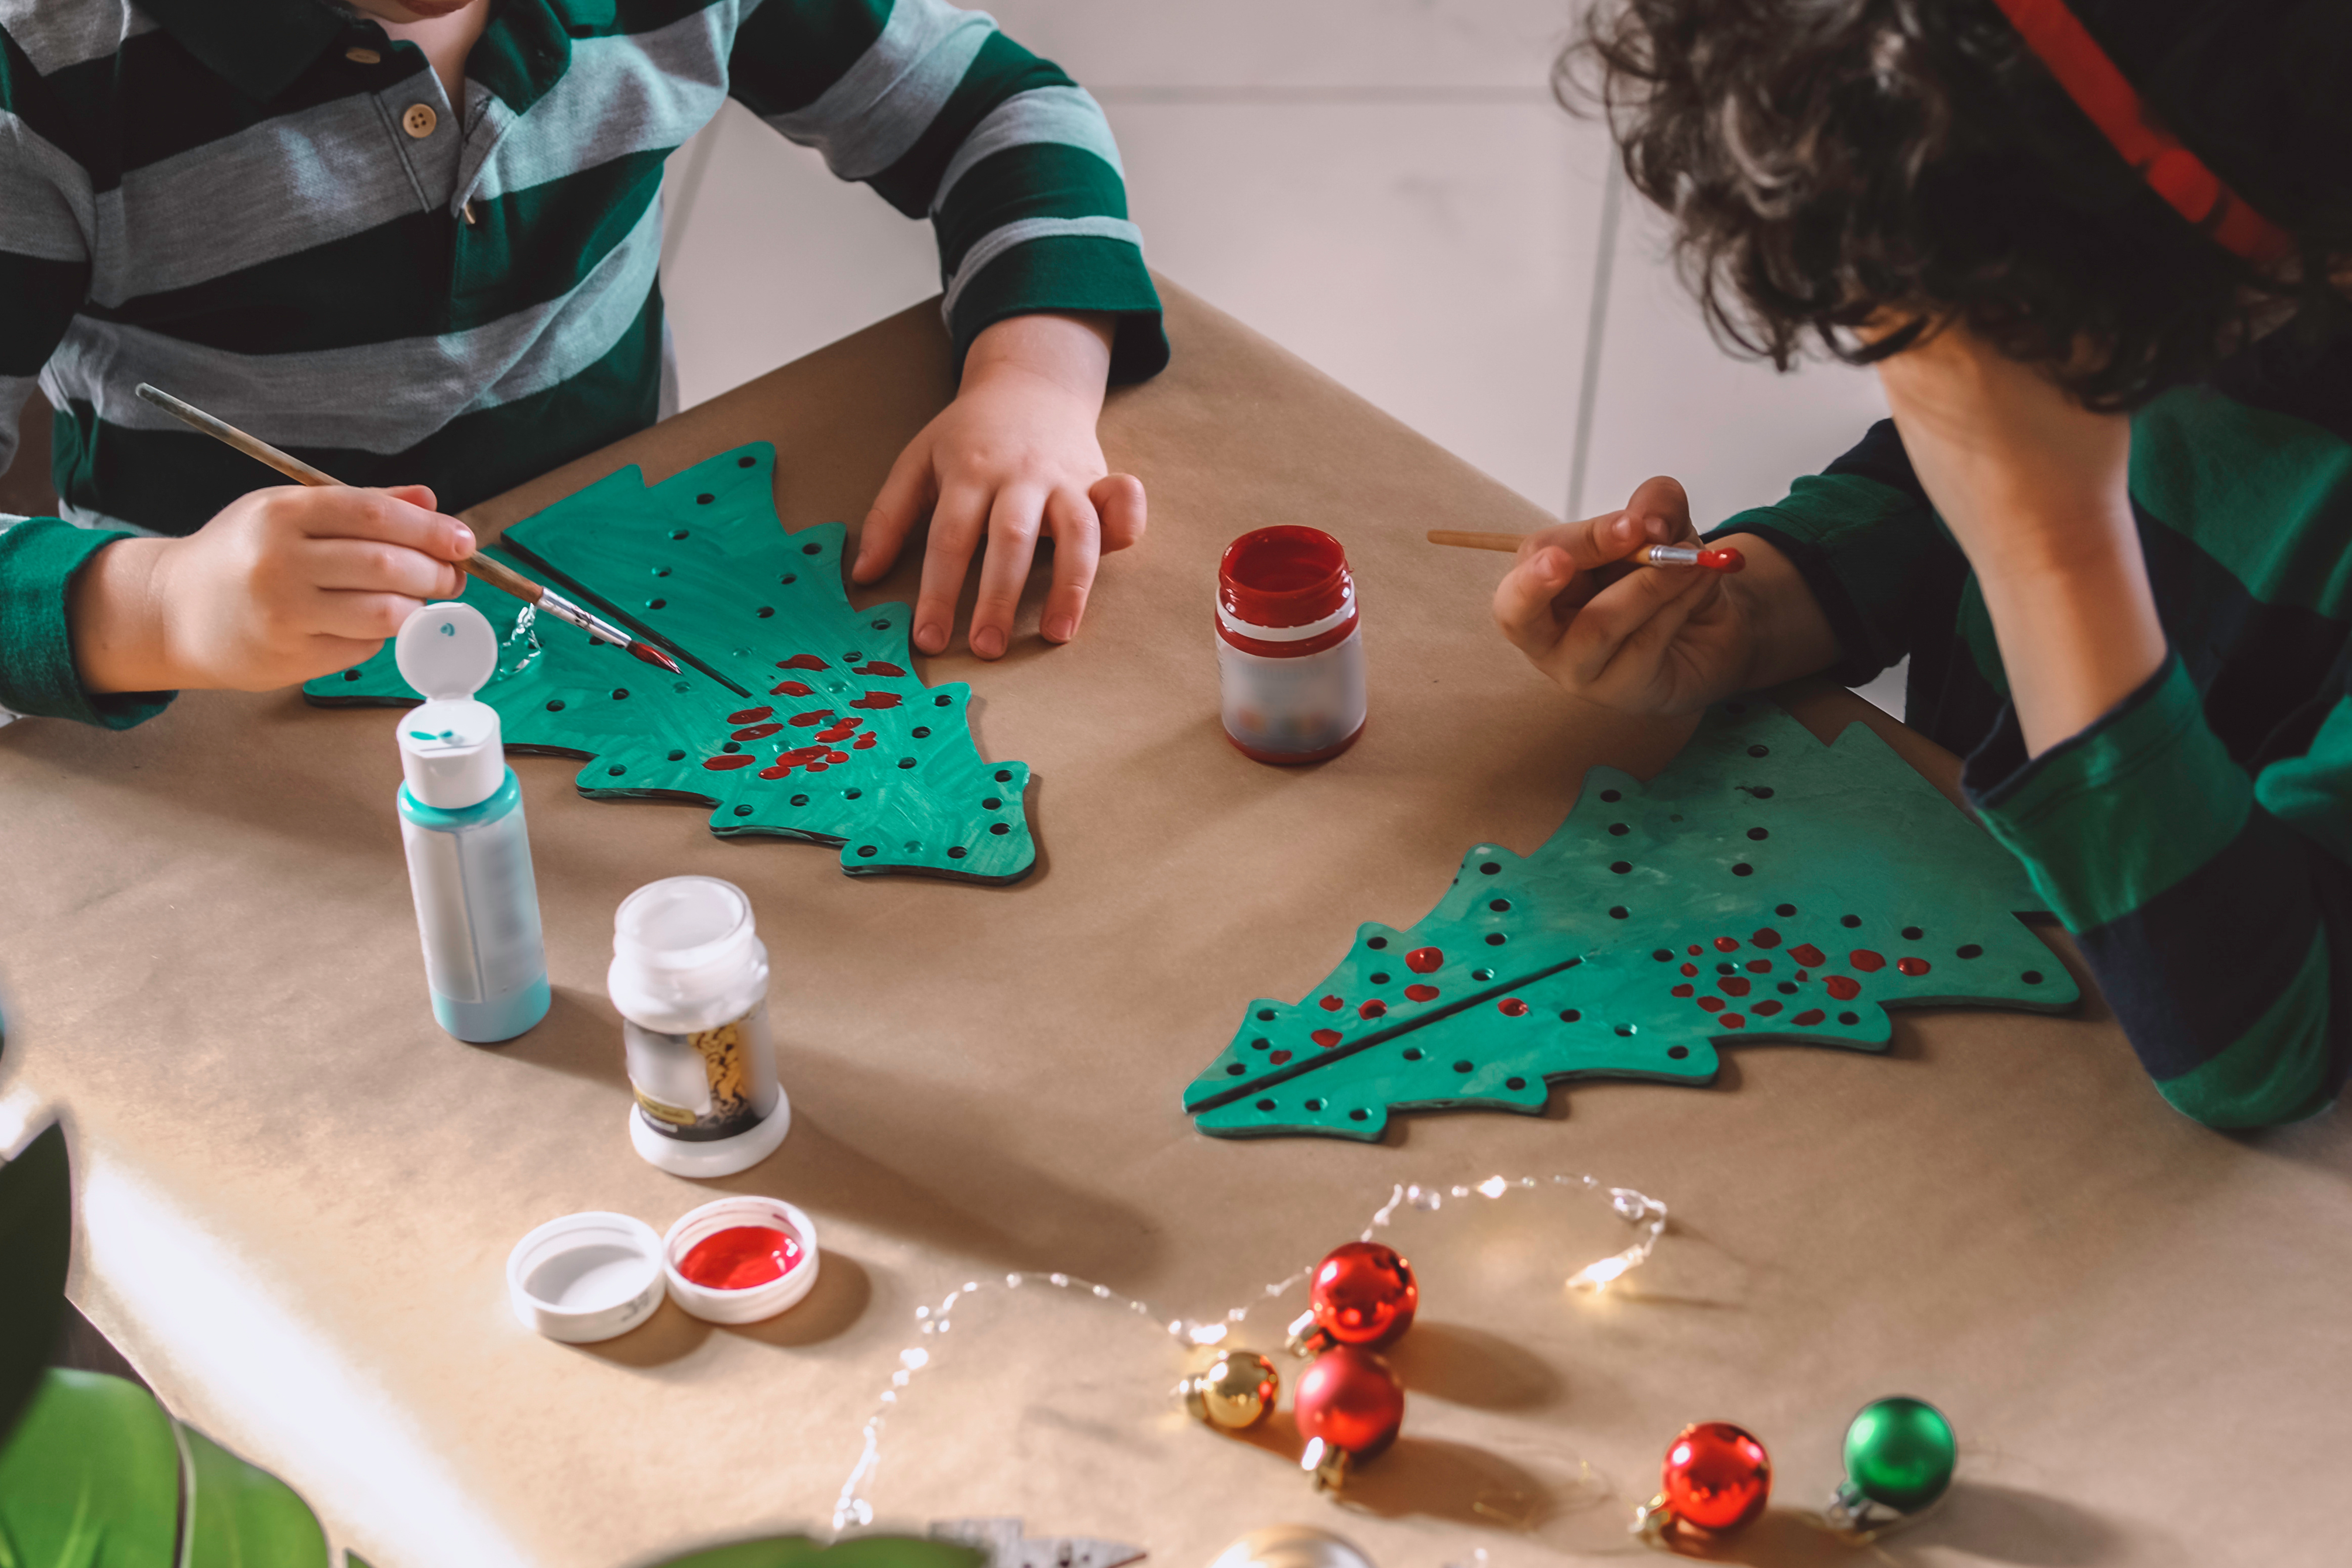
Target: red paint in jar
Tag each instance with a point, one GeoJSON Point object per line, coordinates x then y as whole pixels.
{"type": "Point", "coordinates": [1290, 651]}
{"type": "Point", "coordinates": [740, 1257]}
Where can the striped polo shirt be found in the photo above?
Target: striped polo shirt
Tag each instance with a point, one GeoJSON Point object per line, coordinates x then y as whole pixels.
{"type": "Point", "coordinates": [2196, 839]}
{"type": "Point", "coordinates": [273, 210]}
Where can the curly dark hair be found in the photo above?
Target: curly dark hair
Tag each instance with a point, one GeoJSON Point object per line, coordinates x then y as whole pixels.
{"type": "Point", "coordinates": [1827, 158]}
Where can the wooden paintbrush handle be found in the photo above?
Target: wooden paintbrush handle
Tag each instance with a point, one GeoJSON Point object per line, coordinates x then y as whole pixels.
{"type": "Point", "coordinates": [498, 576]}
{"type": "Point", "coordinates": [1508, 541]}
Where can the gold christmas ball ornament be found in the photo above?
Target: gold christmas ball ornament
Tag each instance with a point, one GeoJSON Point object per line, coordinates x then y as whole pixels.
{"type": "Point", "coordinates": [1236, 1390]}
{"type": "Point", "coordinates": [1291, 1546]}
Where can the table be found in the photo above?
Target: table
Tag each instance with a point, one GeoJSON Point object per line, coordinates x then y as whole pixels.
{"type": "Point", "coordinates": [298, 1194]}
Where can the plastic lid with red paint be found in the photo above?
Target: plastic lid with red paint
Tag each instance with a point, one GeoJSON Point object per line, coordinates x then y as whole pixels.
{"type": "Point", "coordinates": [1284, 576]}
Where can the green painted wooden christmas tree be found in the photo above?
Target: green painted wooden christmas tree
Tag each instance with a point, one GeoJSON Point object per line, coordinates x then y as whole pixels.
{"type": "Point", "coordinates": [796, 715]}
{"type": "Point", "coordinates": [1764, 887]}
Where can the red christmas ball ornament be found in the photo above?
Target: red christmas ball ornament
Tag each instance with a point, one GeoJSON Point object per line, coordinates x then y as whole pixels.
{"type": "Point", "coordinates": [1350, 1399]}
{"type": "Point", "coordinates": [1717, 1476]}
{"type": "Point", "coordinates": [1364, 1294]}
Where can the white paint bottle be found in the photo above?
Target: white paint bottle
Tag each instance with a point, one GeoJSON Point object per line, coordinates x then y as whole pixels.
{"type": "Point", "coordinates": [689, 977]}
{"type": "Point", "coordinates": [461, 822]}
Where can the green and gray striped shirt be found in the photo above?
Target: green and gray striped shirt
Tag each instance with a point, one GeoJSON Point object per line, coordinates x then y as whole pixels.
{"type": "Point", "coordinates": [274, 211]}
{"type": "Point", "coordinates": [2196, 839]}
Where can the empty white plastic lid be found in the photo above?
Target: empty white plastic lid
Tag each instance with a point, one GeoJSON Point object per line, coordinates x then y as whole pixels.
{"type": "Point", "coordinates": [681, 922]}
{"type": "Point", "coordinates": [586, 1276]}
{"type": "Point", "coordinates": [447, 650]}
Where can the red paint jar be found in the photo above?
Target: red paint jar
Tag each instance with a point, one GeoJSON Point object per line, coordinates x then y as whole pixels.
{"type": "Point", "coordinates": [1290, 651]}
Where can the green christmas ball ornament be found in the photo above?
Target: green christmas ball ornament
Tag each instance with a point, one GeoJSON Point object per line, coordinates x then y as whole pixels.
{"type": "Point", "coordinates": [1899, 1454]}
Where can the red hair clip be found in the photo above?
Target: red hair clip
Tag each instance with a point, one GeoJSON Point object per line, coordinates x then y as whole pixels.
{"type": "Point", "coordinates": [2061, 42]}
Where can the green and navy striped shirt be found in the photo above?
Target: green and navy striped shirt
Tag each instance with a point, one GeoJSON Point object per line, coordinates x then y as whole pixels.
{"type": "Point", "coordinates": [273, 210]}
{"type": "Point", "coordinates": [2198, 839]}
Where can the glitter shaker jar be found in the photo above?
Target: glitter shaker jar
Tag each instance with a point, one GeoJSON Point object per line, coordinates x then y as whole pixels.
{"type": "Point", "coordinates": [1290, 654]}
{"type": "Point", "coordinates": [690, 978]}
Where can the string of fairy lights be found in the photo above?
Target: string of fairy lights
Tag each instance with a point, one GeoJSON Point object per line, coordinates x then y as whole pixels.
{"type": "Point", "coordinates": [1645, 1215]}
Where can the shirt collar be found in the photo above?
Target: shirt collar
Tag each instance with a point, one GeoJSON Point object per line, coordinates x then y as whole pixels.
{"type": "Point", "coordinates": [259, 47]}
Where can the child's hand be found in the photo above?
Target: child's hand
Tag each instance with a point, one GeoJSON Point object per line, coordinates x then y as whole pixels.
{"type": "Point", "coordinates": [1645, 639]}
{"type": "Point", "coordinates": [1012, 458]}
{"type": "Point", "coordinates": [283, 585]}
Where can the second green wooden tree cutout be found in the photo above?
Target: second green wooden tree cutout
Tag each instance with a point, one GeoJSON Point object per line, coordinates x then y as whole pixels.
{"type": "Point", "coordinates": [796, 715]}
{"type": "Point", "coordinates": [1763, 888]}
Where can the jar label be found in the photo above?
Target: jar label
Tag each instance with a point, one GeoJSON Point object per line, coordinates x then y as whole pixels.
{"type": "Point", "coordinates": [1294, 705]}
{"type": "Point", "coordinates": [701, 1087]}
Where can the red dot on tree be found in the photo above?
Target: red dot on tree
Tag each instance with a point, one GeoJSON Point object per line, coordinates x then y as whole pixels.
{"type": "Point", "coordinates": [1869, 962]}
{"type": "Point", "coordinates": [1330, 1004]}
{"type": "Point", "coordinates": [1809, 955]}
{"type": "Point", "coordinates": [1732, 1021]}
{"type": "Point", "coordinates": [791, 688]}
{"type": "Point", "coordinates": [1912, 965]}
{"type": "Point", "coordinates": [1372, 1009]}
{"type": "Point", "coordinates": [1760, 967]}
{"type": "Point", "coordinates": [729, 762]}
{"type": "Point", "coordinates": [749, 715]}
{"type": "Point", "coordinates": [1696, 950]}
{"type": "Point", "coordinates": [1767, 937]}
{"type": "Point", "coordinates": [1732, 986]}
{"type": "Point", "coordinates": [1844, 988]}
{"type": "Point", "coordinates": [1424, 959]}
{"type": "Point", "coordinates": [1726, 943]}
{"type": "Point", "coordinates": [1712, 1004]}
{"type": "Point", "coordinates": [1511, 1007]}
{"type": "Point", "coordinates": [802, 661]}
{"type": "Point", "coordinates": [755, 732]}
{"type": "Point", "coordinates": [1326, 1038]}
{"type": "Point", "coordinates": [1279, 1057]}
{"type": "Point", "coordinates": [1809, 1017]}
{"type": "Point", "coordinates": [1765, 1009]}
{"type": "Point", "coordinates": [1421, 993]}
{"type": "Point", "coordinates": [1682, 990]}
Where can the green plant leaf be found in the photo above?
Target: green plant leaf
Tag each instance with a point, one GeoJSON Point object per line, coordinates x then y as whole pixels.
{"type": "Point", "coordinates": [828, 736]}
{"type": "Point", "coordinates": [90, 1479]}
{"type": "Point", "coordinates": [36, 1244]}
{"type": "Point", "coordinates": [861, 1551]}
{"type": "Point", "coordinates": [241, 1516]}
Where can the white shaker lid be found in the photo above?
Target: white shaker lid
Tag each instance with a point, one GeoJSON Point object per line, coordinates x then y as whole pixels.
{"type": "Point", "coordinates": [451, 749]}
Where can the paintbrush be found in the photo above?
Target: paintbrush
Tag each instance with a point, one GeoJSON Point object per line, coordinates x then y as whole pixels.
{"type": "Point", "coordinates": [1723, 560]}
{"type": "Point", "coordinates": [537, 594]}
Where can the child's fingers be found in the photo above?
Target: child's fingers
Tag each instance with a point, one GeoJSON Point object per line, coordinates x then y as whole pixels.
{"type": "Point", "coordinates": [1118, 502]}
{"type": "Point", "coordinates": [1080, 535]}
{"type": "Point", "coordinates": [910, 491]}
{"type": "Point", "coordinates": [369, 565]}
{"type": "Point", "coordinates": [1012, 526]}
{"type": "Point", "coordinates": [1589, 543]}
{"type": "Point", "coordinates": [1660, 509]}
{"type": "Point", "coordinates": [957, 524]}
{"type": "Point", "coordinates": [341, 513]}
{"type": "Point", "coordinates": [1641, 653]}
{"type": "Point", "coordinates": [1611, 616]}
{"type": "Point", "coordinates": [1524, 600]}
{"type": "Point", "coordinates": [360, 616]}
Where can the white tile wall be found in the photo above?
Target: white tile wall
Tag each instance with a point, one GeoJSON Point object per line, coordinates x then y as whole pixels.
{"type": "Point", "coordinates": [1384, 186]}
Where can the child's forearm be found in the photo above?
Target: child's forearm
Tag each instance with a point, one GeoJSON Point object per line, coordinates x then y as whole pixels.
{"type": "Point", "coordinates": [114, 615]}
{"type": "Point", "coordinates": [1072, 350]}
{"type": "Point", "coordinates": [2077, 625]}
